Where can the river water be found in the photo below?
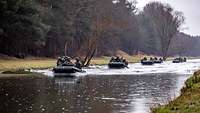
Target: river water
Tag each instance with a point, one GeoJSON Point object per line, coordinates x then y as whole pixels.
{"type": "Point", "coordinates": [99, 90]}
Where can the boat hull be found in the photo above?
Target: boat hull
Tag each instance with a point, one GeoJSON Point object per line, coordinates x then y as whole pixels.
{"type": "Point", "coordinates": [158, 62]}
{"type": "Point", "coordinates": [117, 65]}
{"type": "Point", "coordinates": [147, 62]}
{"type": "Point", "coordinates": [65, 70]}
{"type": "Point", "coordinates": [180, 60]}
{"type": "Point", "coordinates": [176, 61]}
{"type": "Point", "coordinates": [70, 75]}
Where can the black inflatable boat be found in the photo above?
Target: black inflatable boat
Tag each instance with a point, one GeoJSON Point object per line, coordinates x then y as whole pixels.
{"type": "Point", "coordinates": [147, 62]}
{"type": "Point", "coordinates": [117, 65]}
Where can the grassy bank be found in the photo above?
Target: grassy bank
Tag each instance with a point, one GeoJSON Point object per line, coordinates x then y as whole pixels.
{"type": "Point", "coordinates": [188, 101]}
{"type": "Point", "coordinates": [16, 64]}
{"type": "Point", "coordinates": [105, 60]}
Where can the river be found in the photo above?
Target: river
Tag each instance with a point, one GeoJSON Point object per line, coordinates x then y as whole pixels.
{"type": "Point", "coordinates": [99, 90]}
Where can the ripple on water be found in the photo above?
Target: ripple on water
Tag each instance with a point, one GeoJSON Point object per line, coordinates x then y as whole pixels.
{"type": "Point", "coordinates": [132, 90]}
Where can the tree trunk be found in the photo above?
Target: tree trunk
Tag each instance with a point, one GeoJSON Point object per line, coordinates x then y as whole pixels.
{"type": "Point", "coordinates": [92, 55]}
{"type": "Point", "coordinates": [65, 48]}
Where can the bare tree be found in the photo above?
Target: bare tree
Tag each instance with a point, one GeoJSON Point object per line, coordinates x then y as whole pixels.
{"type": "Point", "coordinates": [85, 45]}
{"type": "Point", "coordinates": [101, 21]}
{"type": "Point", "coordinates": [166, 21]}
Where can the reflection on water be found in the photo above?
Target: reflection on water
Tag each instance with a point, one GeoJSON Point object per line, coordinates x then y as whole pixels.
{"type": "Point", "coordinates": [88, 94]}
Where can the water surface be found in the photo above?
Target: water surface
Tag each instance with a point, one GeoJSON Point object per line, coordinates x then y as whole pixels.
{"type": "Point", "coordinates": [89, 94]}
{"type": "Point", "coordinates": [100, 90]}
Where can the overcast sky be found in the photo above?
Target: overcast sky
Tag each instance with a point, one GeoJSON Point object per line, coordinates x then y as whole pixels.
{"type": "Point", "coordinates": [190, 8]}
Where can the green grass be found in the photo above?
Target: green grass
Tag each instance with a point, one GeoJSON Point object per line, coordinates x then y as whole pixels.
{"type": "Point", "coordinates": [105, 60]}
{"type": "Point", "coordinates": [17, 67]}
{"type": "Point", "coordinates": [188, 101]}
{"type": "Point", "coordinates": [20, 71]}
{"type": "Point", "coordinates": [22, 64]}
{"type": "Point", "coordinates": [17, 64]}
{"type": "Point", "coordinates": [7, 65]}
{"type": "Point", "coordinates": [20, 75]}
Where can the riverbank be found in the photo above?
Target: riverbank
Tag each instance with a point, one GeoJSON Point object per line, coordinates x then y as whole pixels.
{"type": "Point", "coordinates": [44, 63]}
{"type": "Point", "coordinates": [188, 101]}
{"type": "Point", "coordinates": [19, 64]}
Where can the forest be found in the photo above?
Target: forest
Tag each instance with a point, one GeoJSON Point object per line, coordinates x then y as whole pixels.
{"type": "Point", "coordinates": [51, 28]}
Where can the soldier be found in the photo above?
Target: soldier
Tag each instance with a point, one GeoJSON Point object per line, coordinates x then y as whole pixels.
{"type": "Point", "coordinates": [185, 59]}
{"type": "Point", "coordinates": [126, 63]}
{"type": "Point", "coordinates": [117, 59]}
{"type": "Point", "coordinates": [112, 59]}
{"type": "Point", "coordinates": [68, 61]}
{"type": "Point", "coordinates": [144, 59]}
{"type": "Point", "coordinates": [121, 59]}
{"type": "Point", "coordinates": [78, 64]}
{"type": "Point", "coordinates": [59, 61]}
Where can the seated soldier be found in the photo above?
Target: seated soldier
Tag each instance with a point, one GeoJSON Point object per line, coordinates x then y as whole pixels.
{"type": "Point", "coordinates": [112, 59]}
{"type": "Point", "coordinates": [117, 59]}
{"type": "Point", "coordinates": [67, 60]}
{"type": "Point", "coordinates": [124, 60]}
{"type": "Point", "coordinates": [121, 59]}
{"type": "Point", "coordinates": [185, 59]}
{"type": "Point", "coordinates": [144, 59]}
{"type": "Point", "coordinates": [78, 64]}
{"type": "Point", "coordinates": [59, 61]}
